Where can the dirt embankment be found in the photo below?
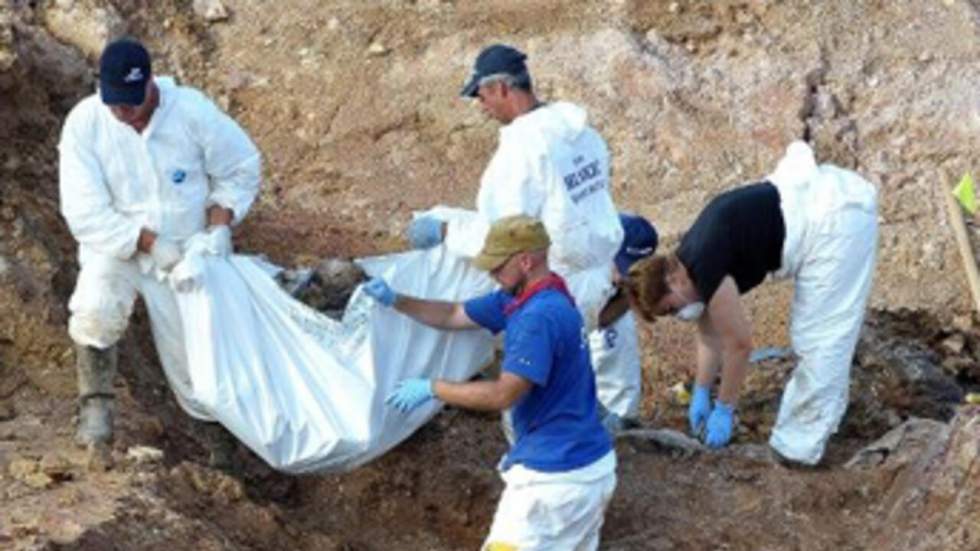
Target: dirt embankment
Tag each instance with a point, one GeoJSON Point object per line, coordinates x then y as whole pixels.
{"type": "Point", "coordinates": [353, 104]}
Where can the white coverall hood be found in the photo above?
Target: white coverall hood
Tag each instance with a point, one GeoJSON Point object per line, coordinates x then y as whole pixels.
{"type": "Point", "coordinates": [559, 120]}
{"type": "Point", "coordinates": [550, 164]}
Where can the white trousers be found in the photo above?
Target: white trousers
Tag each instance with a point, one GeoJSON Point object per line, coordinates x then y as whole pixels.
{"type": "Point", "coordinates": [615, 353]}
{"type": "Point", "coordinates": [102, 304]}
{"type": "Point", "coordinates": [832, 239]}
{"type": "Point", "coordinates": [553, 511]}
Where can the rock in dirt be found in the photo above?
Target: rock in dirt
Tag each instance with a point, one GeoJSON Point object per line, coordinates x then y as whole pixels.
{"type": "Point", "coordinates": [377, 49]}
{"type": "Point", "coordinates": [954, 344]}
{"type": "Point", "coordinates": [935, 503]}
{"type": "Point", "coordinates": [142, 455]}
{"type": "Point", "coordinates": [211, 10]}
{"type": "Point", "coordinates": [28, 471]}
{"type": "Point", "coordinates": [83, 24]}
{"type": "Point", "coordinates": [900, 445]}
{"type": "Point", "coordinates": [217, 485]}
{"type": "Point", "coordinates": [38, 480]}
{"type": "Point", "coordinates": [20, 467]}
{"type": "Point", "coordinates": [906, 374]}
{"type": "Point", "coordinates": [56, 466]}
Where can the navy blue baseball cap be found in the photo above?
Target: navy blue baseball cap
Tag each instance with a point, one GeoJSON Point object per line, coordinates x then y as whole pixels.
{"type": "Point", "coordinates": [494, 60]}
{"type": "Point", "coordinates": [123, 71]}
{"type": "Point", "coordinates": [639, 241]}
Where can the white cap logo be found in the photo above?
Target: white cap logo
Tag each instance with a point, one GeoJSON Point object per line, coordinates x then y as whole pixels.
{"type": "Point", "coordinates": [639, 251]}
{"type": "Point", "coordinates": [135, 75]}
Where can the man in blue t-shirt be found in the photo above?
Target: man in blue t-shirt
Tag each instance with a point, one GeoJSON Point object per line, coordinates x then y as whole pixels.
{"type": "Point", "coordinates": [560, 471]}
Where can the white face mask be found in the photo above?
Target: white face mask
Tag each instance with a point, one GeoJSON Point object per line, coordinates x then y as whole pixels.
{"type": "Point", "coordinates": [691, 312]}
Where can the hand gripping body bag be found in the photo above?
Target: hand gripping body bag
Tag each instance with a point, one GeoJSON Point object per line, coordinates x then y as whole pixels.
{"type": "Point", "coordinates": [306, 392]}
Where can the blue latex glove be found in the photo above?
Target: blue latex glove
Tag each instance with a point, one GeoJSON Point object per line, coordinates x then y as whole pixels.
{"type": "Point", "coordinates": [379, 290]}
{"type": "Point", "coordinates": [410, 394]}
{"type": "Point", "coordinates": [719, 428]}
{"type": "Point", "coordinates": [425, 232]}
{"type": "Point", "coordinates": [699, 409]}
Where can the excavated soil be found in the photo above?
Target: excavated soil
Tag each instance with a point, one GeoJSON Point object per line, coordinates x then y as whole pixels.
{"type": "Point", "coordinates": [353, 105]}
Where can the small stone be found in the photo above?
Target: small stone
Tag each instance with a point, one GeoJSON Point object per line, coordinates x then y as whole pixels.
{"type": "Point", "coordinates": [962, 322]}
{"type": "Point", "coordinates": [144, 454]}
{"type": "Point", "coordinates": [21, 468]}
{"type": "Point", "coordinates": [674, 7]}
{"type": "Point", "coordinates": [377, 49]}
{"type": "Point", "coordinates": [333, 24]}
{"type": "Point", "coordinates": [229, 490]}
{"type": "Point", "coordinates": [56, 466]}
{"type": "Point", "coordinates": [211, 10]}
{"type": "Point", "coordinates": [954, 344]}
{"type": "Point", "coordinates": [40, 481]}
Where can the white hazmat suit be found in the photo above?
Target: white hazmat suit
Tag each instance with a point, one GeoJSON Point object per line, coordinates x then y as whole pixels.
{"type": "Point", "coordinates": [550, 164]}
{"type": "Point", "coordinates": [829, 251]}
{"type": "Point", "coordinates": [115, 181]}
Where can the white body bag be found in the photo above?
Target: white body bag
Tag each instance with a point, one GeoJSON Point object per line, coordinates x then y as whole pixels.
{"type": "Point", "coordinates": [305, 392]}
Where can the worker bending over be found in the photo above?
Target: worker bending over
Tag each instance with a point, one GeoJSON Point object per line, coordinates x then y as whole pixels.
{"type": "Point", "coordinates": [815, 224]}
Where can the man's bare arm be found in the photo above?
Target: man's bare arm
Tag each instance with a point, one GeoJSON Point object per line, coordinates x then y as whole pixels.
{"type": "Point", "coordinates": [435, 313]}
{"type": "Point", "coordinates": [494, 395]}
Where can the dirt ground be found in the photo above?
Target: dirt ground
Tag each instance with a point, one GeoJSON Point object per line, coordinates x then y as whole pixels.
{"type": "Point", "coordinates": [354, 106]}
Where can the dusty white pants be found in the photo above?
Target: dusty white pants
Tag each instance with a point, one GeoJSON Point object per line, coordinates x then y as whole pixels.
{"type": "Point", "coordinates": [553, 511]}
{"type": "Point", "coordinates": [102, 304]}
{"type": "Point", "coordinates": [615, 353]}
{"type": "Point", "coordinates": [832, 241]}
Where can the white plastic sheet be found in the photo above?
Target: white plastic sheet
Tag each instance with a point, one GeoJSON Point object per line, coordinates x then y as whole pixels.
{"type": "Point", "coordinates": [305, 392]}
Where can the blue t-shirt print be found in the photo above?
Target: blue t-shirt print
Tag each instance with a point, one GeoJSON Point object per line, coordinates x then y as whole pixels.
{"type": "Point", "coordinates": [556, 424]}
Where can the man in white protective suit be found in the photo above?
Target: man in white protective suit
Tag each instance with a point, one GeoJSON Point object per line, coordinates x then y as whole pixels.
{"type": "Point", "coordinates": [144, 165]}
{"type": "Point", "coordinates": [815, 224]}
{"type": "Point", "coordinates": [549, 164]}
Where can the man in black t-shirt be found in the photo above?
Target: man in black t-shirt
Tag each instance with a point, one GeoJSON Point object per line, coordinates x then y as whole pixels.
{"type": "Point", "coordinates": [816, 224]}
